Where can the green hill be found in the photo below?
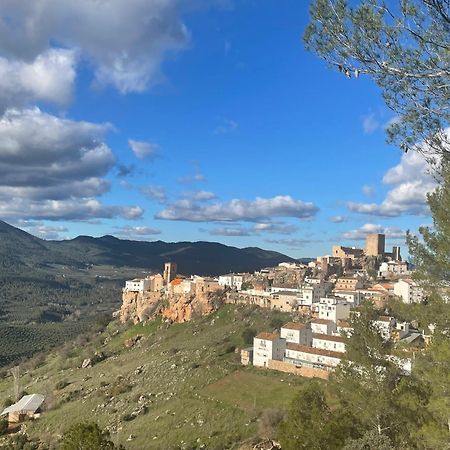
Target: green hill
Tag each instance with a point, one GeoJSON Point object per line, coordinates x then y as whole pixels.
{"type": "Point", "coordinates": [180, 386]}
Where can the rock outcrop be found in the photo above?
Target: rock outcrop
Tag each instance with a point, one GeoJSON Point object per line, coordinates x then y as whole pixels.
{"type": "Point", "coordinates": [179, 308]}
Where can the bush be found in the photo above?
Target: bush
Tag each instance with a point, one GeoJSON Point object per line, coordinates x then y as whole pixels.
{"type": "Point", "coordinates": [61, 384]}
{"type": "Point", "coordinates": [247, 335]}
{"type": "Point", "coordinates": [3, 427]}
{"type": "Point", "coordinates": [87, 435]}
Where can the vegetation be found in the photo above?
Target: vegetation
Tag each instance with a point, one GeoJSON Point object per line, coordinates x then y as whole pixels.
{"type": "Point", "coordinates": [87, 436]}
{"type": "Point", "coordinates": [404, 47]}
{"type": "Point", "coordinates": [177, 387]}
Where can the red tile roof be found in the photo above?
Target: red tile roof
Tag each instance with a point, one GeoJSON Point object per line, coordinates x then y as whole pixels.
{"type": "Point", "coordinates": [294, 326]}
{"type": "Point", "coordinates": [327, 337]}
{"type": "Point", "coordinates": [313, 350]}
{"type": "Point", "coordinates": [267, 336]}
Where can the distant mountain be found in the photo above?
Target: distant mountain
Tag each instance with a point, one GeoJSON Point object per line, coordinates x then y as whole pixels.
{"type": "Point", "coordinates": [19, 250]}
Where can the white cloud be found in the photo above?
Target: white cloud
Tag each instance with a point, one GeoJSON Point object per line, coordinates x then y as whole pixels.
{"type": "Point", "coordinates": [230, 231]}
{"type": "Point", "coordinates": [292, 243]}
{"type": "Point", "coordinates": [154, 193]}
{"type": "Point", "coordinates": [144, 150]}
{"type": "Point", "coordinates": [49, 77]}
{"type": "Point", "coordinates": [200, 196]}
{"type": "Point", "coordinates": [410, 181]}
{"type": "Point", "coordinates": [338, 219]}
{"type": "Point", "coordinates": [42, 230]}
{"type": "Point", "coordinates": [370, 124]}
{"type": "Point", "coordinates": [125, 41]}
{"type": "Point", "coordinates": [133, 232]}
{"type": "Point", "coordinates": [371, 228]}
{"type": "Point", "coordinates": [239, 210]}
{"type": "Point", "coordinates": [257, 229]}
{"type": "Point", "coordinates": [53, 168]}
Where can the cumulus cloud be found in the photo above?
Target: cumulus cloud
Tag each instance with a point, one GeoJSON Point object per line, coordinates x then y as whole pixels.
{"type": "Point", "coordinates": [200, 196]}
{"type": "Point", "coordinates": [371, 228]}
{"type": "Point", "coordinates": [125, 42]}
{"type": "Point", "coordinates": [49, 78]}
{"type": "Point", "coordinates": [144, 150]}
{"type": "Point", "coordinates": [230, 231]}
{"type": "Point", "coordinates": [239, 210]}
{"type": "Point", "coordinates": [137, 232]}
{"type": "Point", "coordinates": [410, 181]}
{"type": "Point", "coordinates": [53, 168]}
{"type": "Point", "coordinates": [154, 193]}
{"type": "Point", "coordinates": [42, 230]}
{"type": "Point", "coordinates": [338, 219]}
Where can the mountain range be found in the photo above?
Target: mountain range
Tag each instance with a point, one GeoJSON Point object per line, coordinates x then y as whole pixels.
{"type": "Point", "coordinates": [19, 250]}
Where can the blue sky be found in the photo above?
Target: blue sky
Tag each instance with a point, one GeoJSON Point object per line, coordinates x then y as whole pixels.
{"type": "Point", "coordinates": [215, 125]}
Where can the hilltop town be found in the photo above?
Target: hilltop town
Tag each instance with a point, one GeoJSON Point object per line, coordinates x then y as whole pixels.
{"type": "Point", "coordinates": [321, 296]}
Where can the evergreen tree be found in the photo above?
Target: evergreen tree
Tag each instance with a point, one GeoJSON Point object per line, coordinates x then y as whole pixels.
{"type": "Point", "coordinates": [404, 46]}
{"type": "Point", "coordinates": [87, 436]}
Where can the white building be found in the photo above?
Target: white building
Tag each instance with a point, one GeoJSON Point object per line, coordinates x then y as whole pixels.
{"type": "Point", "coordinates": [267, 346]}
{"type": "Point", "coordinates": [297, 333]}
{"type": "Point", "coordinates": [393, 268]}
{"type": "Point", "coordinates": [384, 325]}
{"type": "Point", "coordinates": [334, 309]}
{"type": "Point", "coordinates": [231, 280]}
{"type": "Point", "coordinates": [312, 293]}
{"type": "Point", "coordinates": [409, 291]}
{"type": "Point", "coordinates": [303, 356]}
{"type": "Point", "coordinates": [344, 327]}
{"type": "Point", "coordinates": [137, 285]}
{"type": "Point", "coordinates": [323, 326]}
{"type": "Point", "coordinates": [327, 342]}
{"type": "Point", "coordinates": [353, 297]}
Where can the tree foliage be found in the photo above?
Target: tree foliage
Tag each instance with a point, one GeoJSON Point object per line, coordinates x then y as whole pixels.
{"type": "Point", "coordinates": [87, 436]}
{"type": "Point", "coordinates": [404, 46]}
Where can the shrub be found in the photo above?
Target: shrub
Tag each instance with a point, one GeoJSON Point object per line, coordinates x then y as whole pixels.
{"type": "Point", "coordinates": [247, 335]}
{"type": "Point", "coordinates": [87, 435]}
{"type": "Point", "coordinates": [3, 427]}
{"type": "Point", "coordinates": [61, 384]}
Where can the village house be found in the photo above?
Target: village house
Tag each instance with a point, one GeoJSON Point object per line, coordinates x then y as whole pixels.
{"type": "Point", "coordinates": [348, 284]}
{"type": "Point", "coordinates": [327, 342]}
{"type": "Point", "coordinates": [344, 327]}
{"type": "Point", "coordinates": [137, 285]}
{"type": "Point", "coordinates": [297, 333]}
{"type": "Point", "coordinates": [384, 325]}
{"type": "Point", "coordinates": [353, 297]}
{"type": "Point", "coordinates": [334, 309]}
{"type": "Point", "coordinates": [409, 291]}
{"type": "Point", "coordinates": [391, 269]}
{"type": "Point", "coordinates": [284, 301]}
{"type": "Point", "coordinates": [267, 346]}
{"type": "Point", "coordinates": [231, 280]}
{"type": "Point", "coordinates": [303, 356]}
{"type": "Point", "coordinates": [323, 326]}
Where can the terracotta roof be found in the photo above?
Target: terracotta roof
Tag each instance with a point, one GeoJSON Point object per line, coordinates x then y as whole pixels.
{"type": "Point", "coordinates": [384, 319]}
{"type": "Point", "coordinates": [313, 350]}
{"type": "Point", "coordinates": [327, 337]}
{"type": "Point", "coordinates": [321, 321]}
{"type": "Point", "coordinates": [294, 326]}
{"type": "Point", "coordinates": [267, 336]}
{"type": "Point", "coordinates": [176, 282]}
{"type": "Point", "coordinates": [343, 323]}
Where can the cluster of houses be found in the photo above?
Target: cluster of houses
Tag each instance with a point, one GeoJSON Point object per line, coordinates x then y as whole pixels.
{"type": "Point", "coordinates": [316, 347]}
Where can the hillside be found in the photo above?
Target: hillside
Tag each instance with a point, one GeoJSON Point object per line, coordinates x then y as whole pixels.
{"type": "Point", "coordinates": [180, 387]}
{"type": "Point", "coordinates": [19, 250]}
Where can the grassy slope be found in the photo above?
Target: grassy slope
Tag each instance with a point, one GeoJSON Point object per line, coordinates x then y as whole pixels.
{"type": "Point", "coordinates": [196, 389]}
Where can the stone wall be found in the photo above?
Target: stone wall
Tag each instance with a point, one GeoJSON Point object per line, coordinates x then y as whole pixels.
{"type": "Point", "coordinates": [308, 372]}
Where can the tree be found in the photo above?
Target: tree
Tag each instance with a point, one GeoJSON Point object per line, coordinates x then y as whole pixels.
{"type": "Point", "coordinates": [248, 334]}
{"type": "Point", "coordinates": [404, 47]}
{"type": "Point", "coordinates": [312, 425]}
{"type": "Point", "coordinates": [87, 436]}
{"type": "Point", "coordinates": [3, 426]}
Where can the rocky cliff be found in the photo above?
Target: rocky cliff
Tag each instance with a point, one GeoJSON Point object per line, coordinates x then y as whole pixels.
{"type": "Point", "coordinates": [138, 307]}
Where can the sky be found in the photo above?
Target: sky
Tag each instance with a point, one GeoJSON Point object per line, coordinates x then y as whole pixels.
{"type": "Point", "coordinates": [187, 120]}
